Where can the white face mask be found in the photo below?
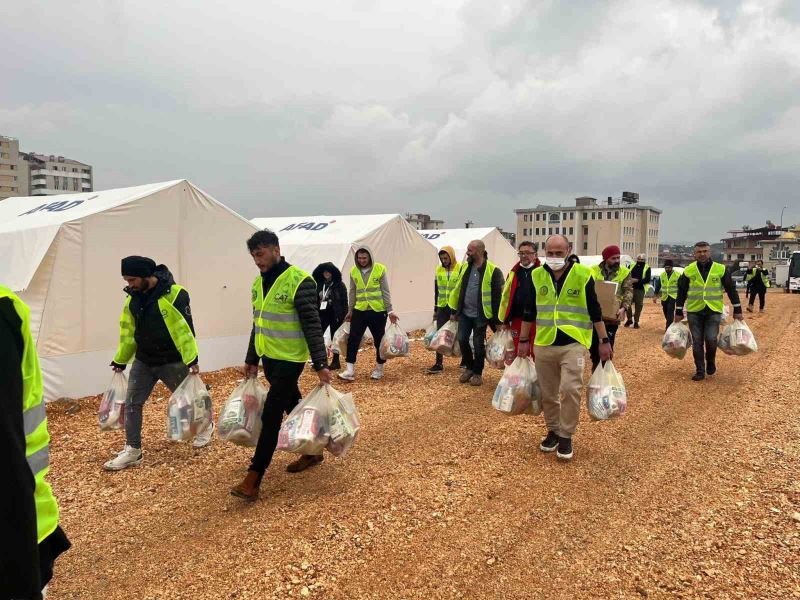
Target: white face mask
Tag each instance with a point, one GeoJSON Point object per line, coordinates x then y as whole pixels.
{"type": "Point", "coordinates": [555, 263]}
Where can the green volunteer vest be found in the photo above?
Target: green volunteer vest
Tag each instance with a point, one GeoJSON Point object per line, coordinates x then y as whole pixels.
{"type": "Point", "coordinates": [704, 293]}
{"type": "Point", "coordinates": [505, 299]}
{"type": "Point", "coordinates": [669, 285]}
{"type": "Point", "coordinates": [445, 282]}
{"type": "Point", "coordinates": [458, 273]}
{"type": "Point", "coordinates": [178, 328]}
{"type": "Point", "coordinates": [567, 312]}
{"type": "Point", "coordinates": [34, 419]}
{"type": "Point", "coordinates": [622, 273]}
{"type": "Point", "coordinates": [486, 289]}
{"type": "Point", "coordinates": [278, 334]}
{"type": "Point", "coordinates": [369, 295]}
{"type": "Point", "coordinates": [751, 273]}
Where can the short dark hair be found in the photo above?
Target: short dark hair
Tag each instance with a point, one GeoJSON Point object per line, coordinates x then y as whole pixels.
{"type": "Point", "coordinates": [668, 263]}
{"type": "Point", "coordinates": [702, 244]}
{"type": "Point", "coordinates": [265, 237]}
{"type": "Point", "coordinates": [526, 243]}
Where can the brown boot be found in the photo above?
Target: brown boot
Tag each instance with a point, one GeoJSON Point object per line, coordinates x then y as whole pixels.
{"type": "Point", "coordinates": [248, 489]}
{"type": "Point", "coordinates": [302, 463]}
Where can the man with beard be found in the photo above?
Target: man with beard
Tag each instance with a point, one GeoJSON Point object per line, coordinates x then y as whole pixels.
{"type": "Point", "coordinates": [515, 304]}
{"type": "Point", "coordinates": [667, 287]}
{"type": "Point", "coordinates": [610, 269]}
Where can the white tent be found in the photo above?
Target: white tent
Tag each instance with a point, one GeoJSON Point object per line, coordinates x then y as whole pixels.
{"type": "Point", "coordinates": [410, 260]}
{"type": "Point", "coordinates": [62, 254]}
{"type": "Point", "coordinates": [500, 251]}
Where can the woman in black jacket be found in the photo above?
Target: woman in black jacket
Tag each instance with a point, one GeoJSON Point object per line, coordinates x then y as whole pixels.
{"type": "Point", "coordinates": [331, 300]}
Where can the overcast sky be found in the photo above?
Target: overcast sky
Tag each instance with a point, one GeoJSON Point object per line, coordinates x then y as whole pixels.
{"type": "Point", "coordinates": [460, 109]}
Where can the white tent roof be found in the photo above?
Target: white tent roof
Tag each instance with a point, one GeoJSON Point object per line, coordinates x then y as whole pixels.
{"type": "Point", "coordinates": [62, 254]}
{"type": "Point", "coordinates": [410, 260]}
{"type": "Point", "coordinates": [500, 251]}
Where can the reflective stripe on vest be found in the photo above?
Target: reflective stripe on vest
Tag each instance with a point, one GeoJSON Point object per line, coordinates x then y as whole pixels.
{"type": "Point", "coordinates": [622, 273]}
{"type": "Point", "coordinates": [278, 331]}
{"type": "Point", "coordinates": [178, 329]}
{"type": "Point", "coordinates": [568, 312]}
{"type": "Point", "coordinates": [34, 418]}
{"type": "Point", "coordinates": [369, 295]}
{"type": "Point", "coordinates": [669, 285]}
{"type": "Point", "coordinates": [445, 282]}
{"type": "Point", "coordinates": [505, 299]}
{"type": "Point", "coordinates": [707, 292]}
{"type": "Point", "coordinates": [486, 289]}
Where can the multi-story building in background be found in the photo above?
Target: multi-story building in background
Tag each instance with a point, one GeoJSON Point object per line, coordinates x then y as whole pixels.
{"type": "Point", "coordinates": [744, 246]}
{"type": "Point", "coordinates": [591, 225]}
{"type": "Point", "coordinates": [32, 174]}
{"type": "Point", "coordinates": [422, 221]}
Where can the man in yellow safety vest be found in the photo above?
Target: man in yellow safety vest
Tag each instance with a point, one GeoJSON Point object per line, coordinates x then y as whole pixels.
{"type": "Point", "coordinates": [447, 274]}
{"type": "Point", "coordinates": [610, 269]}
{"type": "Point", "coordinates": [667, 290]}
{"type": "Point", "coordinates": [757, 280]}
{"type": "Point", "coordinates": [286, 332]}
{"type": "Point", "coordinates": [700, 294]}
{"type": "Point", "coordinates": [30, 537]}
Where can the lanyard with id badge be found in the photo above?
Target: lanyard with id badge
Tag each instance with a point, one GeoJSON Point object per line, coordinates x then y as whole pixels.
{"type": "Point", "coordinates": [324, 300]}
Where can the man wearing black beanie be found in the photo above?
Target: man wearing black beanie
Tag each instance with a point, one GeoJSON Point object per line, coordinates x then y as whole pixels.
{"type": "Point", "coordinates": [157, 334]}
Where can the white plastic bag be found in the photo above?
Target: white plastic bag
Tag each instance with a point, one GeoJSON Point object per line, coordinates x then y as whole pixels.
{"type": "Point", "coordinates": [607, 397]}
{"type": "Point", "coordinates": [394, 343]}
{"type": "Point", "coordinates": [430, 333]}
{"type": "Point", "coordinates": [518, 390]}
{"type": "Point", "coordinates": [240, 418]}
{"type": "Point", "coordinates": [340, 338]}
{"type": "Point", "coordinates": [737, 339]}
{"type": "Point", "coordinates": [305, 430]}
{"type": "Point", "coordinates": [677, 340]}
{"type": "Point", "coordinates": [344, 422]}
{"type": "Point", "coordinates": [445, 341]}
{"type": "Point", "coordinates": [111, 414]}
{"type": "Point", "coordinates": [500, 349]}
{"type": "Point", "coordinates": [188, 409]}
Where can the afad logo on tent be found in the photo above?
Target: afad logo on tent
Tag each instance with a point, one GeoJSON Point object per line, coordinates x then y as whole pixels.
{"type": "Point", "coordinates": [308, 225]}
{"type": "Point", "coordinates": [432, 236]}
{"type": "Point", "coordinates": [58, 206]}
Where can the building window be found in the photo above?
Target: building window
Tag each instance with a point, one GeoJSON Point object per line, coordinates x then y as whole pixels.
{"type": "Point", "coordinates": [585, 245]}
{"type": "Point", "coordinates": [571, 216]}
{"type": "Point", "coordinates": [549, 231]}
{"type": "Point", "coordinates": [571, 231]}
{"type": "Point", "coordinates": [608, 216]}
{"type": "Point", "coordinates": [593, 215]}
{"type": "Point", "coordinates": [600, 215]}
{"type": "Point", "coordinates": [616, 214]}
{"type": "Point", "coordinates": [564, 216]}
{"type": "Point", "coordinates": [585, 216]}
{"type": "Point", "coordinates": [537, 216]}
{"type": "Point", "coordinates": [585, 230]}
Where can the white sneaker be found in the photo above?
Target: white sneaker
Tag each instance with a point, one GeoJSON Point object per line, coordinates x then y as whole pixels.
{"type": "Point", "coordinates": [377, 373]}
{"type": "Point", "coordinates": [349, 373]}
{"type": "Point", "coordinates": [203, 438]}
{"type": "Point", "coordinates": [129, 457]}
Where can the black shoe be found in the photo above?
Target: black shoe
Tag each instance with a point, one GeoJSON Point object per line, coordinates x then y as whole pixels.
{"type": "Point", "coordinates": [698, 377]}
{"type": "Point", "coordinates": [628, 323]}
{"type": "Point", "coordinates": [435, 369]}
{"type": "Point", "coordinates": [550, 443]}
{"type": "Point", "coordinates": [564, 448]}
{"type": "Point", "coordinates": [711, 369]}
{"type": "Point", "coordinates": [636, 326]}
{"type": "Point", "coordinates": [335, 366]}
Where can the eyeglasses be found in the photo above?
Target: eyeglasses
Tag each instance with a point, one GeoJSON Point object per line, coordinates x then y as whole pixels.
{"type": "Point", "coordinates": [521, 254]}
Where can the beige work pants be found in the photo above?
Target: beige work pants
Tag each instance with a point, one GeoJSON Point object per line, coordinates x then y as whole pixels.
{"type": "Point", "coordinates": [560, 373]}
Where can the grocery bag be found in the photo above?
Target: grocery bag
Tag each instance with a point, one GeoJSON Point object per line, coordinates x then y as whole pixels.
{"type": "Point", "coordinates": [188, 409]}
{"type": "Point", "coordinates": [737, 339]}
{"type": "Point", "coordinates": [518, 389]}
{"type": "Point", "coordinates": [500, 349]}
{"type": "Point", "coordinates": [306, 429]}
{"type": "Point", "coordinates": [240, 419]}
{"type": "Point", "coordinates": [111, 414]}
{"type": "Point", "coordinates": [606, 393]}
{"type": "Point", "coordinates": [677, 340]}
{"type": "Point", "coordinates": [445, 341]}
{"type": "Point", "coordinates": [430, 333]}
{"type": "Point", "coordinates": [340, 338]}
{"type": "Point", "coordinates": [394, 343]}
{"type": "Point", "coordinates": [344, 421]}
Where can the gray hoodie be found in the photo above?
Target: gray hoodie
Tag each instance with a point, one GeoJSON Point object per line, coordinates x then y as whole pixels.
{"type": "Point", "coordinates": [365, 274]}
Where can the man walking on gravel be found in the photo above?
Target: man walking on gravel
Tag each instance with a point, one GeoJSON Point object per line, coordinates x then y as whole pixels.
{"type": "Point", "coordinates": [667, 288]}
{"type": "Point", "coordinates": [757, 284]}
{"type": "Point", "coordinates": [447, 274]}
{"type": "Point", "coordinates": [157, 333]}
{"type": "Point", "coordinates": [286, 332]}
{"type": "Point", "coordinates": [700, 290]}
{"type": "Point", "coordinates": [610, 269]}
{"type": "Point", "coordinates": [477, 301]}
{"type": "Point", "coordinates": [515, 304]}
{"type": "Point", "coordinates": [640, 278]}
{"type": "Point", "coordinates": [566, 312]}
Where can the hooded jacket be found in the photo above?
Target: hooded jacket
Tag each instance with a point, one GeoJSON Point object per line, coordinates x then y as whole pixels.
{"type": "Point", "coordinates": [337, 294]}
{"type": "Point", "coordinates": [154, 345]}
{"type": "Point", "coordinates": [453, 272]}
{"type": "Point", "coordinates": [387, 297]}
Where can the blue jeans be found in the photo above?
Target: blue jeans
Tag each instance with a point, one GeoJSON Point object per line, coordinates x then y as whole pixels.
{"type": "Point", "coordinates": [475, 327]}
{"type": "Point", "coordinates": [704, 326]}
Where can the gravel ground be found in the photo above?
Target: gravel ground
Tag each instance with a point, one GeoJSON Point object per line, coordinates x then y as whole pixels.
{"type": "Point", "coordinates": [694, 493]}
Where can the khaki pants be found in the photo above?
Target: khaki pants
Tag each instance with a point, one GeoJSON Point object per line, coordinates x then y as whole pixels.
{"type": "Point", "coordinates": [560, 373]}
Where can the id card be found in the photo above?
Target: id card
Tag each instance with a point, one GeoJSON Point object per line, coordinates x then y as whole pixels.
{"type": "Point", "coordinates": [323, 305]}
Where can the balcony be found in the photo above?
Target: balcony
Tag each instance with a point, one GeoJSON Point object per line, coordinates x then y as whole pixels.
{"type": "Point", "coordinates": [86, 176]}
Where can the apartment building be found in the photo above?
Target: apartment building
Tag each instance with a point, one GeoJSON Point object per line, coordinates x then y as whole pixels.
{"type": "Point", "coordinates": [592, 225]}
{"type": "Point", "coordinates": [32, 174]}
{"type": "Point", "coordinates": [421, 221]}
{"type": "Point", "coordinates": [746, 245]}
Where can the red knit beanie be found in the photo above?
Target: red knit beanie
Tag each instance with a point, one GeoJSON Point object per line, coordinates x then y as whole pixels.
{"type": "Point", "coordinates": [610, 251]}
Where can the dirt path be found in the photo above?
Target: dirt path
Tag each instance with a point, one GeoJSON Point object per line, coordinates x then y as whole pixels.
{"type": "Point", "coordinates": [694, 493]}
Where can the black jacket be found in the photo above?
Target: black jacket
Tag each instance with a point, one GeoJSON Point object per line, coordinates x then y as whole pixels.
{"type": "Point", "coordinates": [25, 566]}
{"type": "Point", "coordinates": [498, 281]}
{"type": "Point", "coordinates": [642, 274]}
{"type": "Point", "coordinates": [305, 301]}
{"type": "Point", "coordinates": [337, 295]}
{"type": "Point", "coordinates": [154, 345]}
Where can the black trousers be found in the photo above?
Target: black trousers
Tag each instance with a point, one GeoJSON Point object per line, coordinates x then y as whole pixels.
{"type": "Point", "coordinates": [283, 396]}
{"type": "Point", "coordinates": [328, 319]}
{"type": "Point", "coordinates": [668, 306]}
{"type": "Point", "coordinates": [360, 321]}
{"type": "Point", "coordinates": [594, 349]}
{"type": "Point", "coordinates": [475, 327]}
{"type": "Point", "coordinates": [762, 295]}
{"type": "Point", "coordinates": [442, 316]}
